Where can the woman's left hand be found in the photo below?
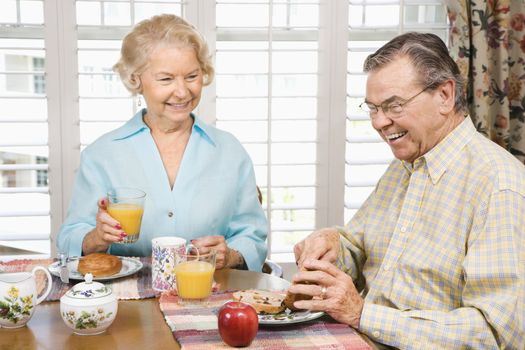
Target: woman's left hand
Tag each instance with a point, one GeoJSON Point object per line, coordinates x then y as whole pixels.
{"type": "Point", "coordinates": [225, 257]}
{"type": "Point", "coordinates": [333, 291]}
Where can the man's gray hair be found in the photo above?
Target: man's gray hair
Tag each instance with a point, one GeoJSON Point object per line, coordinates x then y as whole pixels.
{"type": "Point", "coordinates": [429, 56]}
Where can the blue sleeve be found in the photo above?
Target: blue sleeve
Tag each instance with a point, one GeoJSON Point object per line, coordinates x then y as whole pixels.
{"type": "Point", "coordinates": [81, 217]}
{"type": "Point", "coordinates": [248, 228]}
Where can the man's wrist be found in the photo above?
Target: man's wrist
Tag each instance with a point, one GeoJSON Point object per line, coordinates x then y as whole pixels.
{"type": "Point", "coordinates": [237, 260]}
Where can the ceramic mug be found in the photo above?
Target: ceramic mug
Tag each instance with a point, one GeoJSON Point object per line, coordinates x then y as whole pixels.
{"type": "Point", "coordinates": [165, 252]}
{"type": "Point", "coordinates": [18, 297]}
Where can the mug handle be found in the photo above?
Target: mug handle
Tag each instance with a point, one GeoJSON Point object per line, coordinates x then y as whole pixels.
{"type": "Point", "coordinates": [49, 283]}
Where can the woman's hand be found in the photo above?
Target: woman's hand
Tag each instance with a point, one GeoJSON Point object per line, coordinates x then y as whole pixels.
{"type": "Point", "coordinates": [319, 245]}
{"type": "Point", "coordinates": [333, 291]}
{"type": "Point", "coordinates": [225, 258]}
{"type": "Point", "coordinates": [107, 231]}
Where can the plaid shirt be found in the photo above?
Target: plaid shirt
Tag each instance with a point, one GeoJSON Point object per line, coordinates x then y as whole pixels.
{"type": "Point", "coordinates": [438, 249]}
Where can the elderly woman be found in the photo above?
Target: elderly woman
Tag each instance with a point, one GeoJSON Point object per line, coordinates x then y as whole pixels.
{"type": "Point", "coordinates": [199, 180]}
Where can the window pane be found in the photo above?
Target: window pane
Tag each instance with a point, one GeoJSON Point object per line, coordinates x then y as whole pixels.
{"type": "Point", "coordinates": [147, 10]}
{"type": "Point", "coordinates": [290, 153]}
{"type": "Point", "coordinates": [88, 13]}
{"type": "Point", "coordinates": [294, 85]}
{"type": "Point", "coordinates": [8, 13]}
{"type": "Point", "coordinates": [31, 12]}
{"type": "Point", "coordinates": [293, 175]}
{"type": "Point", "coordinates": [242, 108]}
{"type": "Point", "coordinates": [246, 131]}
{"type": "Point", "coordinates": [117, 13]}
{"type": "Point", "coordinates": [297, 130]}
{"type": "Point", "coordinates": [241, 15]}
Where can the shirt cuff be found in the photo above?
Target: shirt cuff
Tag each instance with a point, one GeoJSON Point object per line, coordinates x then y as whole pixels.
{"type": "Point", "coordinates": [384, 325]}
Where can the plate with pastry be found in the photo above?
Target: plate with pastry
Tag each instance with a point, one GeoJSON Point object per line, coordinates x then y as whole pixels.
{"type": "Point", "coordinates": [103, 266]}
{"type": "Point", "coordinates": [272, 309]}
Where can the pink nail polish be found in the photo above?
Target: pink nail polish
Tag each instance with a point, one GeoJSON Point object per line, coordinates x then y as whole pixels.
{"type": "Point", "coordinates": [118, 227]}
{"type": "Point", "coordinates": [123, 234]}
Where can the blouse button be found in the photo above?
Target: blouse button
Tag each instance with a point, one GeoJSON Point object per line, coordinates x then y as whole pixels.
{"type": "Point", "coordinates": [170, 214]}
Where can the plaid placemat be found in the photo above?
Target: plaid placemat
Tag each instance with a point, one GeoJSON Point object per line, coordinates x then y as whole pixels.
{"type": "Point", "coordinates": [196, 328]}
{"type": "Point", "coordinates": [136, 286]}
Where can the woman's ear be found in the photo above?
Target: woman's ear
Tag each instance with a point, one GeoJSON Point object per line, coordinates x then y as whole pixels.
{"type": "Point", "coordinates": [447, 96]}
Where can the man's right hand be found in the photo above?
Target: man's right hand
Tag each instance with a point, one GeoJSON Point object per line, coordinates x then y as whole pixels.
{"type": "Point", "coordinates": [319, 245]}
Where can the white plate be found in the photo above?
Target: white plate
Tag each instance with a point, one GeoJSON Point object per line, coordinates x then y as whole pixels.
{"type": "Point", "coordinates": [129, 267]}
{"type": "Point", "coordinates": [289, 317]}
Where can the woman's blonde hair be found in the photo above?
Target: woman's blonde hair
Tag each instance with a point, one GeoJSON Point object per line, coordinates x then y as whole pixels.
{"type": "Point", "coordinates": [147, 35]}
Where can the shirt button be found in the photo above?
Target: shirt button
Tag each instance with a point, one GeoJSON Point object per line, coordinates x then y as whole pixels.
{"type": "Point", "coordinates": [386, 267]}
{"type": "Point", "coordinates": [170, 214]}
{"type": "Point", "coordinates": [403, 229]}
{"type": "Point", "coordinates": [376, 334]}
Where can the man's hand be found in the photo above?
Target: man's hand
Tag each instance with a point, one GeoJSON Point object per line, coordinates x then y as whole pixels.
{"type": "Point", "coordinates": [341, 300]}
{"type": "Point", "coordinates": [319, 245]}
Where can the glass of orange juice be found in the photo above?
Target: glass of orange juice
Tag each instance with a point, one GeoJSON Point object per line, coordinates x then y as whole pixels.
{"type": "Point", "coordinates": [126, 205]}
{"type": "Point", "coordinates": [194, 276]}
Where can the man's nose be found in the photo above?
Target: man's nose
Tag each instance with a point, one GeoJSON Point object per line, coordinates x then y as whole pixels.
{"type": "Point", "coordinates": [381, 119]}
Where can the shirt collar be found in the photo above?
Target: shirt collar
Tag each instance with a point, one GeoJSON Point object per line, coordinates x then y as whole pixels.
{"type": "Point", "coordinates": [136, 125]}
{"type": "Point", "coordinates": [439, 158]}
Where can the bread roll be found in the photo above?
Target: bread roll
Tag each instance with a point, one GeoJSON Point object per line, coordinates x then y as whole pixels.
{"type": "Point", "coordinates": [291, 297]}
{"type": "Point", "coordinates": [99, 264]}
{"type": "Point", "coordinates": [263, 301]}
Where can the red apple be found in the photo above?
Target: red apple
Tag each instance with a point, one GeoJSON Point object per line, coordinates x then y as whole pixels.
{"type": "Point", "coordinates": [238, 323]}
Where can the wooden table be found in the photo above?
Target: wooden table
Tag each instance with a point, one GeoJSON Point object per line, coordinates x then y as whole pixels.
{"type": "Point", "coordinates": [139, 323]}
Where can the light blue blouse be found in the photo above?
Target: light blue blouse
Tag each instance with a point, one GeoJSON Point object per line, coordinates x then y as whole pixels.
{"type": "Point", "coordinates": [214, 193]}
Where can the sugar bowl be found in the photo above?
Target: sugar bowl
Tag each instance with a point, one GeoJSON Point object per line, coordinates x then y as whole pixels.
{"type": "Point", "coordinates": [89, 307]}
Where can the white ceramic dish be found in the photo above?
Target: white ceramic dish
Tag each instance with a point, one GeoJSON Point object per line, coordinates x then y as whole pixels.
{"type": "Point", "coordinates": [288, 317]}
{"type": "Point", "coordinates": [89, 307]}
{"type": "Point", "coordinates": [129, 267]}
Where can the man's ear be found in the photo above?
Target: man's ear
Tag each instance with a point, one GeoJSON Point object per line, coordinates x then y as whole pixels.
{"type": "Point", "coordinates": [447, 96]}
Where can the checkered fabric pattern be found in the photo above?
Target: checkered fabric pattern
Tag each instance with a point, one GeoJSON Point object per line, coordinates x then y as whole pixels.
{"type": "Point", "coordinates": [136, 286]}
{"type": "Point", "coordinates": [195, 328]}
{"type": "Point", "coordinates": [438, 249]}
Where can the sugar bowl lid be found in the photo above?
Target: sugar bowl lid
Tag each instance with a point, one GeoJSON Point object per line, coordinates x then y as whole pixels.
{"type": "Point", "coordinates": [89, 289]}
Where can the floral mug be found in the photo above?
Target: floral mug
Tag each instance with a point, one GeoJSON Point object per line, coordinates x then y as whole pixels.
{"type": "Point", "coordinates": [18, 297]}
{"type": "Point", "coordinates": [165, 254]}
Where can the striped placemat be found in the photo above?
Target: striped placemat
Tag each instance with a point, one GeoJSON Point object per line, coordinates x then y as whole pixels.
{"type": "Point", "coordinates": [136, 286]}
{"type": "Point", "coordinates": [196, 328]}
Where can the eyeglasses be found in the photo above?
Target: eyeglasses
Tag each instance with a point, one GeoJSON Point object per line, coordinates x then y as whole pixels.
{"type": "Point", "coordinates": [391, 109]}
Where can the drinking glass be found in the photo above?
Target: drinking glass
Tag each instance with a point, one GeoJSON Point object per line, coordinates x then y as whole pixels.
{"type": "Point", "coordinates": [194, 276]}
{"type": "Point", "coordinates": [126, 205]}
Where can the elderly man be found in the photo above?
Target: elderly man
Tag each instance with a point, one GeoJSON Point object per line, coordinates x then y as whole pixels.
{"type": "Point", "coordinates": [435, 257]}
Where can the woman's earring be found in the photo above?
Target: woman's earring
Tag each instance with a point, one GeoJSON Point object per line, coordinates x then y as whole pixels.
{"type": "Point", "coordinates": [139, 101]}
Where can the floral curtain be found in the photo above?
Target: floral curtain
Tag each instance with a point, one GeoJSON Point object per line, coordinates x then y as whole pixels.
{"type": "Point", "coordinates": [487, 39]}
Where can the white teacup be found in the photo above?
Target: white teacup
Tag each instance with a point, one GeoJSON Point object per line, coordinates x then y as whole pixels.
{"type": "Point", "coordinates": [164, 257]}
{"type": "Point", "coordinates": [18, 297]}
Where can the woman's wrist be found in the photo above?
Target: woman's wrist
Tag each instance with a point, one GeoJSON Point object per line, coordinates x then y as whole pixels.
{"type": "Point", "coordinates": [90, 244]}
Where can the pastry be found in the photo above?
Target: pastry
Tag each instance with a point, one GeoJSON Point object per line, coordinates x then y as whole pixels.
{"type": "Point", "coordinates": [291, 297]}
{"type": "Point", "coordinates": [263, 301]}
{"type": "Point", "coordinates": [99, 264]}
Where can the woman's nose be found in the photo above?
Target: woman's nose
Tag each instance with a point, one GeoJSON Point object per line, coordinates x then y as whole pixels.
{"type": "Point", "coordinates": [180, 89]}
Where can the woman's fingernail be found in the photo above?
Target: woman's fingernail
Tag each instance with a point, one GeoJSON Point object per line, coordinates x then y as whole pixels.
{"type": "Point", "coordinates": [118, 227]}
{"type": "Point", "coordinates": [123, 234]}
{"type": "Point", "coordinates": [103, 202]}
{"type": "Point", "coordinates": [121, 239]}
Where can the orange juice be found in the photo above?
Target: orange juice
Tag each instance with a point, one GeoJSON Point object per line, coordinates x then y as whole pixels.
{"type": "Point", "coordinates": [129, 216]}
{"type": "Point", "coordinates": [194, 279]}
